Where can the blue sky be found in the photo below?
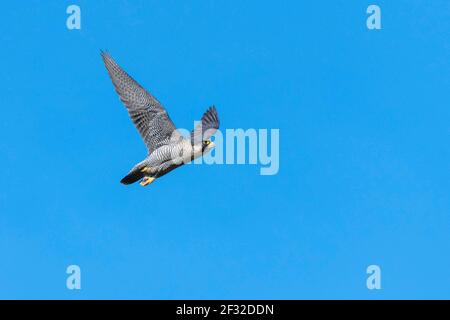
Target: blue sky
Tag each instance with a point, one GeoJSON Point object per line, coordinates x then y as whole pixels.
{"type": "Point", "coordinates": [364, 153]}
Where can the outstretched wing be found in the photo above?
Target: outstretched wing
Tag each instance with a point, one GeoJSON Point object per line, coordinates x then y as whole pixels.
{"type": "Point", "coordinates": [206, 127]}
{"type": "Point", "coordinates": [147, 114]}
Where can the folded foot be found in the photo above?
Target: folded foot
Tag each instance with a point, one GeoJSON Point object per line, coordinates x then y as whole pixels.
{"type": "Point", "coordinates": [146, 181]}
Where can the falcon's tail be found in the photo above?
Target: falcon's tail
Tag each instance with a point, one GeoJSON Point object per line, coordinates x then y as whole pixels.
{"type": "Point", "coordinates": [133, 176]}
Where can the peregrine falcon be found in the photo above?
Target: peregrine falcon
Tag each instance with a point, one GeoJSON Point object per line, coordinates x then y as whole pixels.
{"type": "Point", "coordinates": [167, 148]}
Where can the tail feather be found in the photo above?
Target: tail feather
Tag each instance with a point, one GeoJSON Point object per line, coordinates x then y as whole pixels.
{"type": "Point", "coordinates": [132, 177]}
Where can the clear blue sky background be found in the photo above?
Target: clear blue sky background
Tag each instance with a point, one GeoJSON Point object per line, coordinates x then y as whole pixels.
{"type": "Point", "coordinates": [364, 169]}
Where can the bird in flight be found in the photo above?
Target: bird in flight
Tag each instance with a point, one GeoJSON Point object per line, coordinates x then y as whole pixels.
{"type": "Point", "coordinates": [167, 148]}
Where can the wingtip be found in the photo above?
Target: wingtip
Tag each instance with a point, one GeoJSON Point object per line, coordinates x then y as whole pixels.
{"type": "Point", "coordinates": [104, 54]}
{"type": "Point", "coordinates": [212, 108]}
{"type": "Point", "coordinates": [211, 115]}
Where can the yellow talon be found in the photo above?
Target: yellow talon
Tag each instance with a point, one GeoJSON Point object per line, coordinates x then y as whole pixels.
{"type": "Point", "coordinates": [146, 181]}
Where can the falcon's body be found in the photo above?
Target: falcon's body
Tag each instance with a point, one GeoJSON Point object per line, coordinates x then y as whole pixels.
{"type": "Point", "coordinates": [166, 158]}
{"type": "Point", "coordinates": [167, 148]}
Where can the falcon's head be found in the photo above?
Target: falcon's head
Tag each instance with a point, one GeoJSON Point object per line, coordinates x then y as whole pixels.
{"type": "Point", "coordinates": [207, 145]}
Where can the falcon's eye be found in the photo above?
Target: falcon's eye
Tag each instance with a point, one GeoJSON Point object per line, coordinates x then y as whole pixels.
{"type": "Point", "coordinates": [206, 142]}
